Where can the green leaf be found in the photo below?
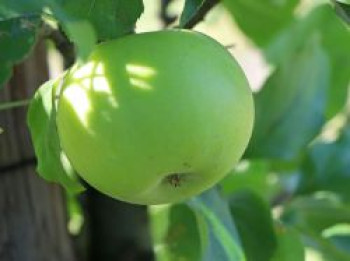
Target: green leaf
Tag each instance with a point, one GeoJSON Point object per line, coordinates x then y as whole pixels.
{"type": "Point", "coordinates": [343, 9]}
{"type": "Point", "coordinates": [316, 213]}
{"type": "Point", "coordinates": [254, 175]}
{"type": "Point", "coordinates": [312, 216]}
{"type": "Point", "coordinates": [289, 245]}
{"type": "Point", "coordinates": [343, 1]}
{"type": "Point", "coordinates": [335, 39]}
{"type": "Point", "coordinates": [327, 166]}
{"type": "Point", "coordinates": [254, 224]}
{"type": "Point", "coordinates": [294, 36]}
{"type": "Point", "coordinates": [109, 18]}
{"type": "Point", "coordinates": [261, 20]}
{"type": "Point", "coordinates": [200, 230]}
{"type": "Point", "coordinates": [79, 29]}
{"type": "Point", "coordinates": [342, 229]}
{"type": "Point", "coordinates": [290, 107]}
{"type": "Point", "coordinates": [339, 235]}
{"type": "Point", "coordinates": [10, 9]}
{"type": "Point", "coordinates": [53, 164]}
{"type": "Point", "coordinates": [328, 249]}
{"type": "Point", "coordinates": [190, 9]}
{"type": "Point", "coordinates": [17, 38]}
{"type": "Point", "coordinates": [175, 233]}
{"type": "Point", "coordinates": [83, 35]}
{"type": "Point", "coordinates": [219, 234]}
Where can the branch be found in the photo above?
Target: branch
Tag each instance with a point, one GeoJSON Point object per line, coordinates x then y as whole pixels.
{"type": "Point", "coordinates": [14, 104]}
{"type": "Point", "coordinates": [201, 13]}
{"type": "Point", "coordinates": [164, 16]}
{"type": "Point", "coordinates": [24, 163]}
{"type": "Point", "coordinates": [62, 44]}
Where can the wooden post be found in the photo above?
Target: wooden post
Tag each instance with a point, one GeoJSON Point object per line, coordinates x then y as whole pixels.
{"type": "Point", "coordinates": [32, 212]}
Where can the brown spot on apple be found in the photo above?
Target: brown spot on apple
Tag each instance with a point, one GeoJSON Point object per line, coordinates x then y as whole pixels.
{"type": "Point", "coordinates": [174, 179]}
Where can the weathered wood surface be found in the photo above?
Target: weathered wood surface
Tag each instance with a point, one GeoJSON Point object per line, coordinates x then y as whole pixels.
{"type": "Point", "coordinates": [32, 212]}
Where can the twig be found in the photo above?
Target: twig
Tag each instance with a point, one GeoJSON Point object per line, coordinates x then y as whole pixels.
{"type": "Point", "coordinates": [201, 13]}
{"type": "Point", "coordinates": [14, 104]}
{"type": "Point", "coordinates": [164, 16]}
{"type": "Point", "coordinates": [230, 46]}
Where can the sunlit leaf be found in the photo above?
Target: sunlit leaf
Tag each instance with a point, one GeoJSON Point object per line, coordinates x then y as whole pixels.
{"type": "Point", "coordinates": [53, 165]}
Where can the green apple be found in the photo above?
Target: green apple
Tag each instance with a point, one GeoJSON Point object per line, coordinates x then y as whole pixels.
{"type": "Point", "coordinates": [156, 117]}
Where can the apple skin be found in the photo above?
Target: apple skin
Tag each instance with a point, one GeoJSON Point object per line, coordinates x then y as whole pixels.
{"type": "Point", "coordinates": [156, 117]}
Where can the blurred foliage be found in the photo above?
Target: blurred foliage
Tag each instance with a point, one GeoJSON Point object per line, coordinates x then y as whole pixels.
{"type": "Point", "coordinates": [327, 166]}
{"type": "Point", "coordinates": [285, 107]}
{"type": "Point", "coordinates": [334, 38]}
{"type": "Point", "coordinates": [342, 8]}
{"type": "Point", "coordinates": [289, 245]}
{"type": "Point", "coordinates": [261, 20]}
{"type": "Point", "coordinates": [202, 229]}
{"type": "Point", "coordinates": [256, 176]}
{"type": "Point", "coordinates": [254, 224]}
{"type": "Point", "coordinates": [312, 216]}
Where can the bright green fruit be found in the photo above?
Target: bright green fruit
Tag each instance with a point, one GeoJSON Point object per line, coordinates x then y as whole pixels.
{"type": "Point", "coordinates": [157, 117]}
